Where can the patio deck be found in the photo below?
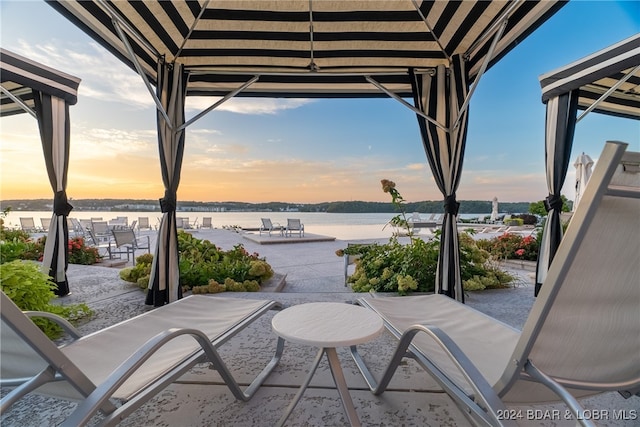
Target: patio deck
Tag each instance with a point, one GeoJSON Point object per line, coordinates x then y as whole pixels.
{"type": "Point", "coordinates": [313, 273]}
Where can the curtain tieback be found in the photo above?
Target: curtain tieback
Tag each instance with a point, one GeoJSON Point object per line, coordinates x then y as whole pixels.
{"type": "Point", "coordinates": [61, 205]}
{"type": "Point", "coordinates": [451, 206]}
{"type": "Point", "coordinates": [168, 203]}
{"type": "Point", "coordinates": [553, 202]}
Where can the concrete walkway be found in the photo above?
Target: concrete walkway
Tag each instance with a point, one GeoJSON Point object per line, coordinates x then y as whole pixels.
{"type": "Point", "coordinates": [313, 273]}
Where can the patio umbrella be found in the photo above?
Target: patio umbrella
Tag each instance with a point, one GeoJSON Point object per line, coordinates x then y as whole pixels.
{"type": "Point", "coordinates": [583, 166]}
{"type": "Point", "coordinates": [494, 209]}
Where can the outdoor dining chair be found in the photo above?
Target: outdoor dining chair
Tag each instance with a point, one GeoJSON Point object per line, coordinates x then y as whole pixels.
{"type": "Point", "coordinates": [117, 369]}
{"type": "Point", "coordinates": [581, 336]}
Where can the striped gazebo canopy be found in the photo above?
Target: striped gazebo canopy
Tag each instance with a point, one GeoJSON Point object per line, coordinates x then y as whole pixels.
{"type": "Point", "coordinates": [305, 48]}
{"type": "Point", "coordinates": [608, 82]}
{"type": "Point", "coordinates": [609, 78]}
{"type": "Point", "coordinates": [21, 76]}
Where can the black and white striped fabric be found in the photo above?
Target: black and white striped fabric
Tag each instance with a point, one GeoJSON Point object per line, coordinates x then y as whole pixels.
{"type": "Point", "coordinates": [306, 48]}
{"type": "Point", "coordinates": [440, 95]}
{"type": "Point", "coordinates": [47, 94]}
{"type": "Point", "coordinates": [164, 283]}
{"type": "Point", "coordinates": [22, 76]}
{"type": "Point", "coordinates": [565, 91]}
{"type": "Point", "coordinates": [598, 73]}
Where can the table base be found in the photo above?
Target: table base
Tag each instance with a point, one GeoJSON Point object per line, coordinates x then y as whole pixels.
{"type": "Point", "coordinates": [338, 379]}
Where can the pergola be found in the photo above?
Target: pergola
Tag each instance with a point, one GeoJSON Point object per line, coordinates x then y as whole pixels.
{"type": "Point", "coordinates": [46, 94]}
{"type": "Point", "coordinates": [434, 52]}
{"type": "Point", "coordinates": [608, 82]}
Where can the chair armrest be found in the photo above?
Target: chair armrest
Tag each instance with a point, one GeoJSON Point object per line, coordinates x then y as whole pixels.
{"type": "Point", "coordinates": [60, 321]}
{"type": "Point", "coordinates": [87, 408]}
{"type": "Point", "coordinates": [489, 400]}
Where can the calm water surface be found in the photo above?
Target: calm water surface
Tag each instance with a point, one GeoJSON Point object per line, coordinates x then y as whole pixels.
{"type": "Point", "coordinates": [340, 225]}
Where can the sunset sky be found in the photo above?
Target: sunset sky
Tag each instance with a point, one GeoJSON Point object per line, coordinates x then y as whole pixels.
{"type": "Point", "coordinates": [301, 151]}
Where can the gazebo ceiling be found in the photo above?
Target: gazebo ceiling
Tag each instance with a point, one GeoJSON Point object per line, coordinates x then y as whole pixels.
{"type": "Point", "coordinates": [306, 48]}
{"type": "Point", "coordinates": [20, 76]}
{"type": "Point", "coordinates": [608, 81]}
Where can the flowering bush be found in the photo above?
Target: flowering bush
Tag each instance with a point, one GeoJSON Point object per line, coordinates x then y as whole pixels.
{"type": "Point", "coordinates": [80, 253]}
{"type": "Point", "coordinates": [400, 220]}
{"type": "Point", "coordinates": [395, 267]}
{"type": "Point", "coordinates": [512, 246]}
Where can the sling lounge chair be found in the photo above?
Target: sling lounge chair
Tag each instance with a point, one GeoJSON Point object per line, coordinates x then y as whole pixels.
{"type": "Point", "coordinates": [45, 222]}
{"type": "Point", "coordinates": [143, 223]}
{"type": "Point", "coordinates": [206, 222]}
{"type": "Point", "coordinates": [581, 336]}
{"type": "Point", "coordinates": [117, 369]}
{"type": "Point", "coordinates": [269, 227]}
{"type": "Point", "coordinates": [28, 225]}
{"type": "Point", "coordinates": [294, 226]}
{"type": "Point", "coordinates": [126, 242]}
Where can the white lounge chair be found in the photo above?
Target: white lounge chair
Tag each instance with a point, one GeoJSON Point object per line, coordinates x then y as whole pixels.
{"type": "Point", "coordinates": [28, 225]}
{"type": "Point", "coordinates": [269, 227]}
{"type": "Point", "coordinates": [143, 223]}
{"type": "Point", "coordinates": [294, 226]}
{"type": "Point", "coordinates": [206, 222]}
{"type": "Point", "coordinates": [46, 222]}
{"type": "Point", "coordinates": [581, 336]}
{"type": "Point", "coordinates": [117, 369]}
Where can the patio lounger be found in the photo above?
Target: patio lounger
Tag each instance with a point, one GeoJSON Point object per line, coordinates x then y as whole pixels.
{"type": "Point", "coordinates": [117, 369]}
{"type": "Point", "coordinates": [28, 225]}
{"type": "Point", "coordinates": [294, 226]}
{"type": "Point", "coordinates": [269, 227]}
{"type": "Point", "coordinates": [143, 223]}
{"type": "Point", "coordinates": [46, 222]}
{"type": "Point", "coordinates": [581, 337]}
{"type": "Point", "coordinates": [126, 242]}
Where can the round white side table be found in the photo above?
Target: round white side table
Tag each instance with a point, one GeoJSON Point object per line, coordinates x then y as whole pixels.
{"type": "Point", "coordinates": [327, 325]}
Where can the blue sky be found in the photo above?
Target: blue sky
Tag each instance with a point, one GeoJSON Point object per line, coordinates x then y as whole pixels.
{"type": "Point", "coordinates": [302, 151]}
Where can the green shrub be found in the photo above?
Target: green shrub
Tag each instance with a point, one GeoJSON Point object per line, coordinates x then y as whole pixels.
{"type": "Point", "coordinates": [394, 267]}
{"type": "Point", "coordinates": [140, 273]}
{"type": "Point", "coordinates": [205, 268]}
{"type": "Point", "coordinates": [32, 290]}
{"type": "Point", "coordinates": [514, 222]}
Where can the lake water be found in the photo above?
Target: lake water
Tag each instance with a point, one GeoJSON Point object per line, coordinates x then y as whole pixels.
{"type": "Point", "coordinates": [343, 226]}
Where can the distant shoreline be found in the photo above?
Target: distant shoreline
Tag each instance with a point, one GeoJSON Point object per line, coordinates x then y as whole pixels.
{"type": "Point", "coordinates": [145, 205]}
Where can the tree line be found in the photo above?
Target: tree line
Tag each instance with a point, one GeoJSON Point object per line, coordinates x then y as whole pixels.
{"type": "Point", "coordinates": [132, 205]}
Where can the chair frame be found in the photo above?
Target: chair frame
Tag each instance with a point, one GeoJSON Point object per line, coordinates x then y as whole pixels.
{"type": "Point", "coordinates": [28, 225]}
{"type": "Point", "coordinates": [98, 397]}
{"type": "Point", "coordinates": [485, 404]}
{"type": "Point", "coordinates": [143, 223]}
{"type": "Point", "coordinates": [126, 242]}
{"type": "Point", "coordinates": [294, 225]}
{"type": "Point", "coordinates": [45, 223]}
{"type": "Point", "coordinates": [269, 227]}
